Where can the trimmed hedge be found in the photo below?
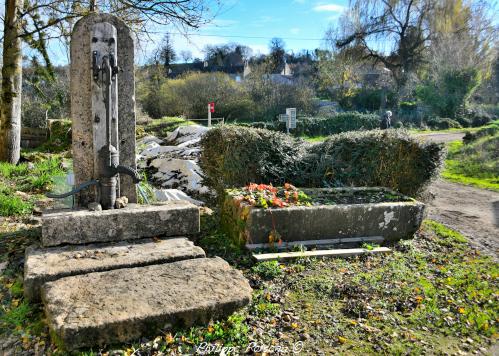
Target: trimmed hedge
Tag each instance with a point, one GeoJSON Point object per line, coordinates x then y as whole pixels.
{"type": "Point", "coordinates": [324, 126]}
{"type": "Point", "coordinates": [443, 123]}
{"type": "Point", "coordinates": [489, 130]}
{"type": "Point", "coordinates": [234, 156]}
{"type": "Point", "coordinates": [386, 158]}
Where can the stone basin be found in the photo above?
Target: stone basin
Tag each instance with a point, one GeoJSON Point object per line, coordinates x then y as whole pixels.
{"type": "Point", "coordinates": [398, 218]}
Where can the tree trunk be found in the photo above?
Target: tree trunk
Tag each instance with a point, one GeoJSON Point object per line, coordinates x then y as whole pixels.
{"type": "Point", "coordinates": [10, 112]}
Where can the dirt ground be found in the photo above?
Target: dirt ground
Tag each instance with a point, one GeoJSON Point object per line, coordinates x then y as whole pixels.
{"type": "Point", "coordinates": [472, 211]}
{"type": "Point", "coordinates": [442, 137]}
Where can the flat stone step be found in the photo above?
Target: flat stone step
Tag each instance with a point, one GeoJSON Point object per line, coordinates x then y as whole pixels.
{"type": "Point", "coordinates": [173, 218]}
{"type": "Point", "coordinates": [49, 264]}
{"type": "Point", "coordinates": [124, 304]}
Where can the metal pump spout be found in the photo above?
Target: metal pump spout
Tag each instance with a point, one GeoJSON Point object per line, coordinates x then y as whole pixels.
{"type": "Point", "coordinates": [108, 156]}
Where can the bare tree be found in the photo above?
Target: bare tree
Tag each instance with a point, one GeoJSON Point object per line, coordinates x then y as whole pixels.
{"type": "Point", "coordinates": [395, 33]}
{"type": "Point", "coordinates": [56, 18]}
{"type": "Point", "coordinates": [186, 55]}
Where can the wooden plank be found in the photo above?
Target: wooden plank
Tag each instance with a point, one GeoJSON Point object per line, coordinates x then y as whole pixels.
{"type": "Point", "coordinates": [285, 245]}
{"type": "Point", "coordinates": [348, 252]}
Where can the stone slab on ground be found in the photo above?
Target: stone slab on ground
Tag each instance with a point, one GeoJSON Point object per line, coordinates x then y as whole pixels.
{"type": "Point", "coordinates": [172, 218]}
{"type": "Point", "coordinates": [49, 264]}
{"type": "Point", "coordinates": [125, 304]}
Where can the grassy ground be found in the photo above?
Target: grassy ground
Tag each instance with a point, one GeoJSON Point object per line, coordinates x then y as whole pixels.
{"type": "Point", "coordinates": [432, 294]}
{"type": "Point", "coordinates": [476, 163]}
{"type": "Point", "coordinates": [435, 131]}
{"type": "Point", "coordinates": [21, 185]}
{"type": "Point", "coordinates": [314, 139]}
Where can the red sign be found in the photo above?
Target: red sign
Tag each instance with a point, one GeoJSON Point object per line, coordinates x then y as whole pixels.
{"type": "Point", "coordinates": [212, 106]}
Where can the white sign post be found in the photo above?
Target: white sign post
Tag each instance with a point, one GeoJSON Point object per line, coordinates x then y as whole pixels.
{"type": "Point", "coordinates": [209, 115]}
{"type": "Point", "coordinates": [291, 112]}
{"type": "Point", "coordinates": [289, 118]}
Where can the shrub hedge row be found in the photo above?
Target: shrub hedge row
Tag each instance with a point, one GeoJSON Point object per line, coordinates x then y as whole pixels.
{"type": "Point", "coordinates": [389, 158]}
{"type": "Point", "coordinates": [234, 156]}
{"type": "Point", "coordinates": [324, 126]}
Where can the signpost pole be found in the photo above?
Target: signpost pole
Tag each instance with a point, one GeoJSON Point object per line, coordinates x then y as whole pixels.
{"type": "Point", "coordinates": [209, 115]}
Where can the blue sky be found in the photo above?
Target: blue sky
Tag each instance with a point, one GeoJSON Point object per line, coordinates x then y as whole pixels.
{"type": "Point", "coordinates": [301, 23]}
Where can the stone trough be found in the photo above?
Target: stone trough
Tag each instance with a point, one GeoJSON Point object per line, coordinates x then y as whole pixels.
{"type": "Point", "coordinates": [326, 222]}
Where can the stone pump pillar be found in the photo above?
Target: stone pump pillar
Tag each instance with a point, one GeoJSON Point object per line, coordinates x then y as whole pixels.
{"type": "Point", "coordinates": [103, 110]}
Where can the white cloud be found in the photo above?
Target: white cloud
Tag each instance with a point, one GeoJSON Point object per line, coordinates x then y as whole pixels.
{"type": "Point", "coordinates": [295, 30]}
{"type": "Point", "coordinates": [329, 8]}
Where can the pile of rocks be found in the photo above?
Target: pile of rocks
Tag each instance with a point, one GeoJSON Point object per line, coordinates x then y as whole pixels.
{"type": "Point", "coordinates": [172, 163]}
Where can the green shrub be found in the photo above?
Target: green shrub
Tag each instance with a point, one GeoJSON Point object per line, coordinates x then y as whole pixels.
{"type": "Point", "coordinates": [370, 99]}
{"type": "Point", "coordinates": [489, 130]}
{"type": "Point", "coordinates": [388, 158]}
{"type": "Point", "coordinates": [443, 123]}
{"type": "Point", "coordinates": [59, 138]}
{"type": "Point", "coordinates": [271, 97]}
{"type": "Point", "coordinates": [268, 270]}
{"type": "Point", "coordinates": [342, 122]}
{"type": "Point", "coordinates": [449, 91]}
{"type": "Point", "coordinates": [481, 115]}
{"type": "Point", "coordinates": [324, 126]}
{"type": "Point", "coordinates": [233, 156]}
{"type": "Point", "coordinates": [258, 96]}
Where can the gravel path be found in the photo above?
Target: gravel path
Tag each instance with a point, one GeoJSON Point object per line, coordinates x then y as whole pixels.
{"type": "Point", "coordinates": [472, 211]}
{"type": "Point", "coordinates": [442, 137]}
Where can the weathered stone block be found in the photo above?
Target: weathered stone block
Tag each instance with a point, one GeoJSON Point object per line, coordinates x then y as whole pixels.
{"type": "Point", "coordinates": [174, 218]}
{"type": "Point", "coordinates": [50, 264]}
{"type": "Point", "coordinates": [125, 304]}
{"type": "Point", "coordinates": [390, 220]}
{"type": "Point", "coordinates": [83, 121]}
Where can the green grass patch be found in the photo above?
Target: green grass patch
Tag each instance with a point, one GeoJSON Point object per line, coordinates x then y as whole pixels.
{"type": "Point", "coordinates": [430, 294]}
{"type": "Point", "coordinates": [475, 163]}
{"type": "Point", "coordinates": [433, 294]}
{"type": "Point", "coordinates": [268, 269]}
{"type": "Point", "coordinates": [10, 205]}
{"type": "Point", "coordinates": [21, 184]}
{"type": "Point", "coordinates": [314, 139]}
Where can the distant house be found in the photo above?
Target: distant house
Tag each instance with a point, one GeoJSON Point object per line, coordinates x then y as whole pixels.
{"type": "Point", "coordinates": [283, 74]}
